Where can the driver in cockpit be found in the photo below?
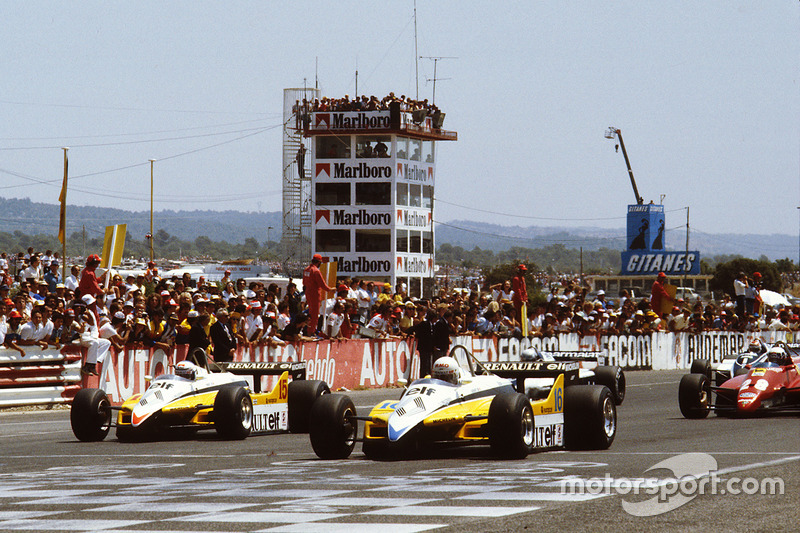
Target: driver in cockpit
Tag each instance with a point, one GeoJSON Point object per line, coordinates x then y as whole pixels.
{"type": "Point", "coordinates": [447, 369]}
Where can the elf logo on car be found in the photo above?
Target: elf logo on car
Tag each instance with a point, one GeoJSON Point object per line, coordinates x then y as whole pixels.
{"type": "Point", "coordinates": [266, 422]}
{"type": "Point", "coordinates": [547, 436]}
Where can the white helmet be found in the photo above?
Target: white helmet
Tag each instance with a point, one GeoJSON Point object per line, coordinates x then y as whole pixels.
{"type": "Point", "coordinates": [446, 369]}
{"type": "Point", "coordinates": [186, 369]}
{"type": "Point", "coordinates": [779, 356]}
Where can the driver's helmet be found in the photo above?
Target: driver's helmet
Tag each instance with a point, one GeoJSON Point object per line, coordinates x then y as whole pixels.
{"type": "Point", "coordinates": [186, 369]}
{"type": "Point", "coordinates": [446, 369]}
{"type": "Point", "coordinates": [530, 354]}
{"type": "Point", "coordinates": [756, 346]}
{"type": "Point", "coordinates": [778, 356]}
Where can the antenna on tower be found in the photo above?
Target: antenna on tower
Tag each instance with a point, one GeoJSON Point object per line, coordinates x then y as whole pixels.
{"type": "Point", "coordinates": [435, 61]}
{"type": "Point", "coordinates": [416, 52]}
{"type": "Point", "coordinates": [316, 72]}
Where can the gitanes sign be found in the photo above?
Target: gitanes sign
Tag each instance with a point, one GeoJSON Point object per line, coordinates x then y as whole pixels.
{"type": "Point", "coordinates": [653, 262]}
{"type": "Point", "coordinates": [646, 254]}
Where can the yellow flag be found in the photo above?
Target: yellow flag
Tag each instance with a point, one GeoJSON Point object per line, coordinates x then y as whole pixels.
{"type": "Point", "coordinates": [329, 273]}
{"type": "Point", "coordinates": [113, 245]}
{"type": "Point", "coordinates": [62, 220]}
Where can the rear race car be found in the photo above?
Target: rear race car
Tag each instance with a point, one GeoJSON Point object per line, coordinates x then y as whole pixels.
{"type": "Point", "coordinates": [592, 371]}
{"type": "Point", "coordinates": [770, 384]}
{"type": "Point", "coordinates": [192, 398]}
{"type": "Point", "coordinates": [480, 405]}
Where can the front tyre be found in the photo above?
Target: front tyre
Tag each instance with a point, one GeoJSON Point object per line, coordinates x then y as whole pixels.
{"type": "Point", "coordinates": [694, 395]}
{"type": "Point", "coordinates": [333, 426]}
{"type": "Point", "coordinates": [90, 415]}
{"type": "Point", "coordinates": [511, 425]}
{"type": "Point", "coordinates": [302, 395]}
{"type": "Point", "coordinates": [233, 413]}
{"type": "Point", "coordinates": [590, 417]}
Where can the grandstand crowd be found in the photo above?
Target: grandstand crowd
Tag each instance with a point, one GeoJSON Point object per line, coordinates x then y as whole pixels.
{"type": "Point", "coordinates": [39, 309]}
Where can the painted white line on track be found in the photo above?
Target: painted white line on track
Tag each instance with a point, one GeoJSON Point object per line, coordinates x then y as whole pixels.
{"type": "Point", "coordinates": [652, 384]}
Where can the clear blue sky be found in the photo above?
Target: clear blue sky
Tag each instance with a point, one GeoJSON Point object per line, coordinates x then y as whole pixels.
{"type": "Point", "coordinates": [706, 95]}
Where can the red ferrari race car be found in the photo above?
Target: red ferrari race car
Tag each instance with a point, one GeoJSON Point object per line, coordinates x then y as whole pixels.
{"type": "Point", "coordinates": [771, 384]}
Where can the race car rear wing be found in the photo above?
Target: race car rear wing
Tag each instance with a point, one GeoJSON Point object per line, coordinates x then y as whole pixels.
{"type": "Point", "coordinates": [599, 357]}
{"type": "Point", "coordinates": [258, 369]}
{"type": "Point", "coordinates": [520, 370]}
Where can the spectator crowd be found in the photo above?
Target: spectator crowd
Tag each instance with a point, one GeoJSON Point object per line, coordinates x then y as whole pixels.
{"type": "Point", "coordinates": [40, 309]}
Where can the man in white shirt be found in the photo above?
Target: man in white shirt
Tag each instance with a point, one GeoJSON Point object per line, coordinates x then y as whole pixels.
{"type": "Point", "coordinates": [33, 333]}
{"type": "Point", "coordinates": [254, 324]}
{"type": "Point", "coordinates": [33, 271]}
{"type": "Point", "coordinates": [73, 280]}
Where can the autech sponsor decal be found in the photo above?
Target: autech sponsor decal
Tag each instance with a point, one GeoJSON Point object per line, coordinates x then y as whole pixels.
{"type": "Point", "coordinates": [362, 217]}
{"type": "Point", "coordinates": [363, 265]}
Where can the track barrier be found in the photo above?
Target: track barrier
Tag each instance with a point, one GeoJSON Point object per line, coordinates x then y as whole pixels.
{"type": "Point", "coordinates": [53, 375]}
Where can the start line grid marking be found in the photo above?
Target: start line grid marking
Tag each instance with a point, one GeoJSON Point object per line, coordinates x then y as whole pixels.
{"type": "Point", "coordinates": [301, 496]}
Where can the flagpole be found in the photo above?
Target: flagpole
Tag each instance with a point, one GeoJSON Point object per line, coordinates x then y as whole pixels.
{"type": "Point", "coordinates": [151, 209]}
{"type": "Point", "coordinates": [62, 221]}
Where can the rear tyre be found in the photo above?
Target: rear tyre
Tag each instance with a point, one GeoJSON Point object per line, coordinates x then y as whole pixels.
{"type": "Point", "coordinates": [614, 378]}
{"type": "Point", "coordinates": [333, 426]}
{"type": "Point", "coordinates": [90, 415]}
{"type": "Point", "coordinates": [511, 425]}
{"type": "Point", "coordinates": [590, 417]}
{"type": "Point", "coordinates": [701, 366]}
{"type": "Point", "coordinates": [233, 413]}
{"type": "Point", "coordinates": [302, 395]}
{"type": "Point", "coordinates": [694, 395]}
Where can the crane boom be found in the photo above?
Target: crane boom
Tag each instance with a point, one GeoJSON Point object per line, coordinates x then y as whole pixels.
{"type": "Point", "coordinates": [610, 134]}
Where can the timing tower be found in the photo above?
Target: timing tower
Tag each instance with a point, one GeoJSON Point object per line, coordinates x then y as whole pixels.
{"type": "Point", "coordinates": [372, 176]}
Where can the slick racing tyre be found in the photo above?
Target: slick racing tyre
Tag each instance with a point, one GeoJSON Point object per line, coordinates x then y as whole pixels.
{"type": "Point", "coordinates": [511, 425]}
{"type": "Point", "coordinates": [614, 378]}
{"type": "Point", "coordinates": [590, 417]}
{"type": "Point", "coordinates": [302, 395]}
{"type": "Point", "coordinates": [233, 413]}
{"type": "Point", "coordinates": [333, 426]}
{"type": "Point", "coordinates": [90, 415]}
{"type": "Point", "coordinates": [701, 366]}
{"type": "Point", "coordinates": [694, 395]}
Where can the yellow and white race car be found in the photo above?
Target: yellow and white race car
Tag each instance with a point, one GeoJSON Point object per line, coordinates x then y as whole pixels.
{"type": "Point", "coordinates": [193, 398]}
{"type": "Point", "coordinates": [472, 403]}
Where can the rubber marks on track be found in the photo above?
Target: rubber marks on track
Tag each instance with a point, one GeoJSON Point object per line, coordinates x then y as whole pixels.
{"type": "Point", "coordinates": [289, 496]}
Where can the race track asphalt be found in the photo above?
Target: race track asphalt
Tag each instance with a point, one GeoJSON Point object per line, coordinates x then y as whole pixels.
{"type": "Point", "coordinates": [51, 482]}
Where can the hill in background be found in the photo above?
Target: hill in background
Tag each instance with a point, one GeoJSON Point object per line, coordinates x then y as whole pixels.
{"type": "Point", "coordinates": [236, 226]}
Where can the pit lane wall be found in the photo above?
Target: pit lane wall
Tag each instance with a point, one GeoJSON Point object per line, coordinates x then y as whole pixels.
{"type": "Point", "coordinates": [53, 376]}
